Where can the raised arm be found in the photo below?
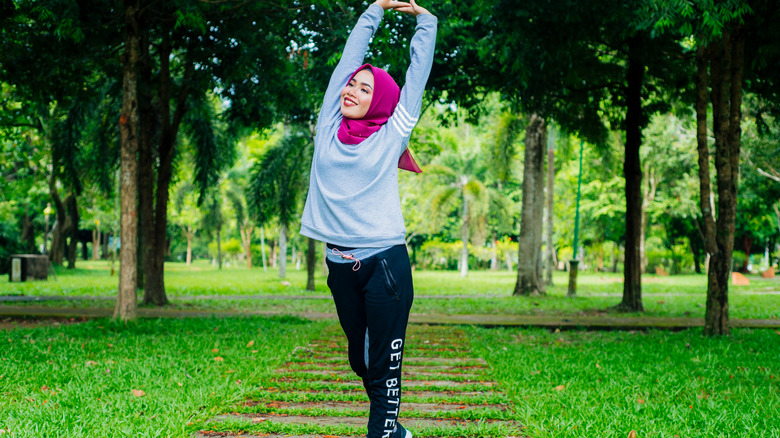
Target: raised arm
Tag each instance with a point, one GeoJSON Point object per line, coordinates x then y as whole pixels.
{"type": "Point", "coordinates": [352, 56]}
{"type": "Point", "coordinates": [423, 44]}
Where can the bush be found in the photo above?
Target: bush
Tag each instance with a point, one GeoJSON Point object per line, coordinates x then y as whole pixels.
{"type": "Point", "coordinates": [737, 260]}
{"type": "Point", "coordinates": [675, 261]}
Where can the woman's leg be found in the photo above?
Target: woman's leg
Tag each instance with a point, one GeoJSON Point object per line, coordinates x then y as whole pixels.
{"type": "Point", "coordinates": [388, 299]}
{"type": "Point", "coordinates": [347, 291]}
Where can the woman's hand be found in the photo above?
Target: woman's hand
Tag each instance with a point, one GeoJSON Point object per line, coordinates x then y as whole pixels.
{"type": "Point", "coordinates": [411, 8]}
{"type": "Point", "coordinates": [391, 4]}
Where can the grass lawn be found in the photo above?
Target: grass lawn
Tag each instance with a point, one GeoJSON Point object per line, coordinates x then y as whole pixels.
{"type": "Point", "coordinates": [161, 378]}
{"type": "Point", "coordinates": [165, 378]}
{"type": "Point", "coordinates": [202, 286]}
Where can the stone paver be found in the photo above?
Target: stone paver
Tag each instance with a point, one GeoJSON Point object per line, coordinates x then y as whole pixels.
{"type": "Point", "coordinates": [446, 391]}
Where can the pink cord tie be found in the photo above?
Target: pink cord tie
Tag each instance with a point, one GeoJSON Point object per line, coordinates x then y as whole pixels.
{"type": "Point", "coordinates": [356, 266]}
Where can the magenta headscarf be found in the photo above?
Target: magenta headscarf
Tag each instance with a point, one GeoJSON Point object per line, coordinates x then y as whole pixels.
{"type": "Point", "coordinates": [383, 103]}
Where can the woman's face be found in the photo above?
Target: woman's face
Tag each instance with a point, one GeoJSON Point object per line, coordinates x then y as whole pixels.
{"type": "Point", "coordinates": [356, 96]}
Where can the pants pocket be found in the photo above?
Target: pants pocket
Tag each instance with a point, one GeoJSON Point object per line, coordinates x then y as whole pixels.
{"type": "Point", "coordinates": [390, 280]}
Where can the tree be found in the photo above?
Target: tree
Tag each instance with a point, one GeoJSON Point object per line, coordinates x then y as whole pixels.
{"type": "Point", "coordinates": [185, 51]}
{"type": "Point", "coordinates": [586, 66]}
{"type": "Point", "coordinates": [277, 185]}
{"type": "Point", "coordinates": [721, 34]}
{"type": "Point", "coordinates": [55, 58]}
{"type": "Point", "coordinates": [529, 265]}
{"type": "Point", "coordinates": [457, 177]}
{"type": "Point", "coordinates": [126, 307]}
{"type": "Point", "coordinates": [184, 214]}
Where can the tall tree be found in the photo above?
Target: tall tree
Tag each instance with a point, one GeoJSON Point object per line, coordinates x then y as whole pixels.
{"type": "Point", "coordinates": [126, 307]}
{"type": "Point", "coordinates": [278, 184]}
{"type": "Point", "coordinates": [186, 51]}
{"type": "Point", "coordinates": [721, 35]}
{"type": "Point", "coordinates": [56, 56]}
{"type": "Point", "coordinates": [587, 66]}
{"type": "Point", "coordinates": [529, 261]}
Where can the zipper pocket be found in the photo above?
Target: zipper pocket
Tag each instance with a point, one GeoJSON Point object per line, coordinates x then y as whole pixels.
{"type": "Point", "coordinates": [390, 280]}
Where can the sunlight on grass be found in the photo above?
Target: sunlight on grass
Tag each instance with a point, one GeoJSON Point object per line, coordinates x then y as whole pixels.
{"type": "Point", "coordinates": [203, 286]}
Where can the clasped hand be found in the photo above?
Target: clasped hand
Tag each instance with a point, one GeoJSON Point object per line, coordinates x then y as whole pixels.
{"type": "Point", "coordinates": [411, 8]}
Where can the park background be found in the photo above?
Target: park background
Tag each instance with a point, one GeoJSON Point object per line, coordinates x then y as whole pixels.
{"type": "Point", "coordinates": [642, 133]}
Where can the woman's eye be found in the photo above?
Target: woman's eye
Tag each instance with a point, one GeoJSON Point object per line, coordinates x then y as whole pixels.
{"type": "Point", "coordinates": [364, 90]}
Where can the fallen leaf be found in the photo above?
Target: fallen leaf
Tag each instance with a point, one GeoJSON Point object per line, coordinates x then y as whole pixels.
{"type": "Point", "coordinates": [560, 387]}
{"type": "Point", "coordinates": [286, 283]}
{"type": "Point", "coordinates": [215, 350]}
{"type": "Point", "coordinates": [179, 383]}
{"type": "Point", "coordinates": [138, 392]}
{"type": "Point", "coordinates": [218, 359]}
{"type": "Point", "coordinates": [44, 388]}
{"type": "Point", "coordinates": [255, 351]}
{"type": "Point", "coordinates": [598, 366]}
{"type": "Point", "coordinates": [632, 434]}
{"type": "Point", "coordinates": [251, 343]}
{"type": "Point", "coordinates": [640, 401]}
{"type": "Point", "coordinates": [91, 362]}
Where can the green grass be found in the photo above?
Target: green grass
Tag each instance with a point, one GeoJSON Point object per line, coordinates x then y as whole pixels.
{"type": "Point", "coordinates": [660, 384]}
{"type": "Point", "coordinates": [77, 380]}
{"type": "Point", "coordinates": [202, 286]}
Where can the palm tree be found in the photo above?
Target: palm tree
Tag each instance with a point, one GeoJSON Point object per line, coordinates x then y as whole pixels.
{"type": "Point", "coordinates": [458, 174]}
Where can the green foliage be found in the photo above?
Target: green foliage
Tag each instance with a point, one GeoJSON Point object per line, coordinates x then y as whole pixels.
{"type": "Point", "coordinates": [279, 179]}
{"type": "Point", "coordinates": [675, 261]}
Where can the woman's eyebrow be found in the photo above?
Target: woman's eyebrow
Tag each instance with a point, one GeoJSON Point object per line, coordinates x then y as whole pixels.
{"type": "Point", "coordinates": [367, 85]}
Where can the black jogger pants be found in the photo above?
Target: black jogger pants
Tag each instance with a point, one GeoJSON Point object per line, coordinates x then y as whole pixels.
{"type": "Point", "coordinates": [373, 304]}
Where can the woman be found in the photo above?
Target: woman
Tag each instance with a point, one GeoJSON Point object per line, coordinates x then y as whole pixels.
{"type": "Point", "coordinates": [354, 206]}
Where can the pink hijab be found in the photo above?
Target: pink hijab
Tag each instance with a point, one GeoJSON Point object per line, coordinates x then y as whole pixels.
{"type": "Point", "coordinates": [383, 103]}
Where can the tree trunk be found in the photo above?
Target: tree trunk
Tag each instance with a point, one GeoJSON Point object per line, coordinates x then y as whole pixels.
{"type": "Point", "coordinates": [494, 253]}
{"type": "Point", "coordinates": [96, 244]}
{"type": "Point", "coordinates": [73, 220]}
{"type": "Point", "coordinates": [28, 234]}
{"type": "Point", "coordinates": [632, 169]}
{"type": "Point", "coordinates": [539, 200]}
{"type": "Point", "coordinates": [262, 247]}
{"type": "Point", "coordinates": [464, 234]}
{"type": "Point", "coordinates": [189, 234]}
{"type": "Point", "coordinates": [59, 230]}
{"type": "Point", "coordinates": [146, 164]}
{"type": "Point", "coordinates": [154, 290]}
{"type": "Point", "coordinates": [219, 246]}
{"type": "Point", "coordinates": [727, 60]}
{"type": "Point", "coordinates": [529, 279]}
{"type": "Point", "coordinates": [311, 263]}
{"type": "Point", "coordinates": [282, 261]}
{"type": "Point", "coordinates": [747, 245]}
{"type": "Point", "coordinates": [649, 189]}
{"type": "Point", "coordinates": [126, 303]}
{"type": "Point", "coordinates": [550, 253]}
{"type": "Point", "coordinates": [246, 231]}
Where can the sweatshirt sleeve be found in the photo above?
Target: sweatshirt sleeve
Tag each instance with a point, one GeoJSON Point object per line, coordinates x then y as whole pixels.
{"type": "Point", "coordinates": [351, 59]}
{"type": "Point", "coordinates": [423, 44]}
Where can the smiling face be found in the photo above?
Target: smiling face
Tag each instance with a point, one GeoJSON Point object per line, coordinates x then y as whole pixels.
{"type": "Point", "coordinates": [356, 96]}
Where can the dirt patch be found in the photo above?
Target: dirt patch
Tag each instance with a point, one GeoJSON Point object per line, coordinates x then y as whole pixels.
{"type": "Point", "coordinates": [15, 322]}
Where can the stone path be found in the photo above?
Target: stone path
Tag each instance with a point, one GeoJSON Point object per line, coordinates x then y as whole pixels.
{"type": "Point", "coordinates": [447, 393]}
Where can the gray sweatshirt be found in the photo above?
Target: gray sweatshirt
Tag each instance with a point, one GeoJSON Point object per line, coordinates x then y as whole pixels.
{"type": "Point", "coordinates": [353, 198]}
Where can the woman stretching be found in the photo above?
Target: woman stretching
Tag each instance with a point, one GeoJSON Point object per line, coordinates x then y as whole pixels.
{"type": "Point", "coordinates": [354, 205]}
